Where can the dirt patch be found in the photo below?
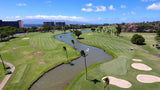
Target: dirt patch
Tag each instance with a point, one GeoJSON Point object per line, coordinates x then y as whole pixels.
{"type": "Point", "coordinates": [89, 34]}
{"type": "Point", "coordinates": [14, 48]}
{"type": "Point", "coordinates": [147, 78]}
{"type": "Point", "coordinates": [137, 60]}
{"type": "Point", "coordinates": [42, 62]}
{"type": "Point", "coordinates": [141, 66]}
{"type": "Point", "coordinates": [25, 38]}
{"type": "Point", "coordinates": [38, 54]}
{"type": "Point", "coordinates": [118, 82]}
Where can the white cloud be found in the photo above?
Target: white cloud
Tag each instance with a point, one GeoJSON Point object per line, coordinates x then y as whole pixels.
{"type": "Point", "coordinates": [21, 4]}
{"type": "Point", "coordinates": [48, 2]}
{"type": "Point", "coordinates": [59, 17]}
{"type": "Point", "coordinates": [89, 4]}
{"type": "Point", "coordinates": [100, 9]}
{"type": "Point", "coordinates": [83, 19]}
{"type": "Point", "coordinates": [148, 0]}
{"type": "Point", "coordinates": [91, 8]}
{"type": "Point", "coordinates": [87, 9]}
{"type": "Point", "coordinates": [154, 6]}
{"type": "Point", "coordinates": [133, 13]}
{"type": "Point", "coordinates": [123, 6]}
{"type": "Point", "coordinates": [111, 7]}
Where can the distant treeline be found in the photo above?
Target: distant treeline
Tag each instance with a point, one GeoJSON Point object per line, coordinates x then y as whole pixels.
{"type": "Point", "coordinates": [140, 27]}
{"type": "Point", "coordinates": [8, 32]}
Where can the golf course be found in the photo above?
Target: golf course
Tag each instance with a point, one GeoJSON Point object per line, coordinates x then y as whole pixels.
{"type": "Point", "coordinates": [120, 66]}
{"type": "Point", "coordinates": [36, 53]}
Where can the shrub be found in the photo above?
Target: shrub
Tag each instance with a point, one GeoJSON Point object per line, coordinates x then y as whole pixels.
{"type": "Point", "coordinates": [137, 39]}
{"type": "Point", "coordinates": [77, 33]}
{"type": "Point", "coordinates": [158, 32]}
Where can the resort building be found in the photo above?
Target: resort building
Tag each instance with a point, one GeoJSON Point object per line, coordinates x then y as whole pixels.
{"type": "Point", "coordinates": [48, 23]}
{"type": "Point", "coordinates": [18, 23]}
{"type": "Point", "coordinates": [60, 23]}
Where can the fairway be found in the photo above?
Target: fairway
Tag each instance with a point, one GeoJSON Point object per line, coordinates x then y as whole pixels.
{"type": "Point", "coordinates": [120, 66]}
{"type": "Point", "coordinates": [32, 57]}
{"type": "Point", "coordinates": [149, 39]}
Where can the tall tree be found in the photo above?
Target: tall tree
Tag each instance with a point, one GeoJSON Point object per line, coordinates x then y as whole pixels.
{"type": "Point", "coordinates": [65, 49]}
{"type": "Point", "coordinates": [77, 33]}
{"type": "Point", "coordinates": [106, 80]}
{"type": "Point", "coordinates": [118, 29]}
{"type": "Point", "coordinates": [73, 43]}
{"type": "Point", "coordinates": [3, 63]}
{"type": "Point", "coordinates": [83, 54]}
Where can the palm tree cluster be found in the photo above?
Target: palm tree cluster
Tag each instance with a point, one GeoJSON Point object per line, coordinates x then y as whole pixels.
{"type": "Point", "coordinates": [115, 29]}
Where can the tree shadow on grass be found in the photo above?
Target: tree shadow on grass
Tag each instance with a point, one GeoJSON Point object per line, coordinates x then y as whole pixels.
{"type": "Point", "coordinates": [80, 38]}
{"type": "Point", "coordinates": [95, 81]}
{"type": "Point", "coordinates": [8, 39]}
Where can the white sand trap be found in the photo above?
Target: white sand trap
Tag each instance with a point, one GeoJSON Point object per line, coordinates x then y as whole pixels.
{"type": "Point", "coordinates": [147, 78]}
{"type": "Point", "coordinates": [137, 60]}
{"type": "Point", "coordinates": [89, 34]}
{"type": "Point", "coordinates": [141, 66]}
{"type": "Point", "coordinates": [118, 82]}
{"type": "Point", "coordinates": [25, 38]}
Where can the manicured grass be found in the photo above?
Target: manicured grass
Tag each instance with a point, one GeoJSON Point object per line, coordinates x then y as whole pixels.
{"type": "Point", "coordinates": [149, 39]}
{"type": "Point", "coordinates": [2, 73]}
{"type": "Point", "coordinates": [33, 57]}
{"type": "Point", "coordinates": [119, 67]}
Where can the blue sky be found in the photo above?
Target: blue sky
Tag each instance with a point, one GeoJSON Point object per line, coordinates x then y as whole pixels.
{"type": "Point", "coordinates": [98, 11]}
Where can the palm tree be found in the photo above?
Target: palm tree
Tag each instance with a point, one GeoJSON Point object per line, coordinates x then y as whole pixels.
{"type": "Point", "coordinates": [3, 63]}
{"type": "Point", "coordinates": [84, 55]}
{"type": "Point", "coordinates": [73, 43]}
{"type": "Point", "coordinates": [106, 80]}
{"type": "Point", "coordinates": [65, 49]}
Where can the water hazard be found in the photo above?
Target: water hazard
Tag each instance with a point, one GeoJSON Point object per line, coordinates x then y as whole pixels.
{"type": "Point", "coordinates": [60, 77]}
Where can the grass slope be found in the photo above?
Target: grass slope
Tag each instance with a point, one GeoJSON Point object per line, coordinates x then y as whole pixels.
{"type": "Point", "coordinates": [149, 39]}
{"type": "Point", "coordinates": [119, 67]}
{"type": "Point", "coordinates": [2, 72]}
{"type": "Point", "coordinates": [33, 57]}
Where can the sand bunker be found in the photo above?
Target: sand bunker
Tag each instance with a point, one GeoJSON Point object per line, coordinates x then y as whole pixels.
{"type": "Point", "coordinates": [89, 34]}
{"type": "Point", "coordinates": [25, 38]}
{"type": "Point", "coordinates": [141, 66]}
{"type": "Point", "coordinates": [137, 60]}
{"type": "Point", "coordinates": [118, 82]}
{"type": "Point", "coordinates": [147, 78]}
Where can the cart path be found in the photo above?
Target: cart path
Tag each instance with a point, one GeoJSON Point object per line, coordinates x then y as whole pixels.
{"type": "Point", "coordinates": [3, 83]}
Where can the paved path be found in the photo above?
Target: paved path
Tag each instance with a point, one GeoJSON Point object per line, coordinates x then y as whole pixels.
{"type": "Point", "coordinates": [2, 84]}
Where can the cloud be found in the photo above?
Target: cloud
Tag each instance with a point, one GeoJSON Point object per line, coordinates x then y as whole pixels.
{"type": "Point", "coordinates": [21, 4]}
{"type": "Point", "coordinates": [154, 6]}
{"type": "Point", "coordinates": [52, 17]}
{"type": "Point", "coordinates": [48, 2]}
{"type": "Point", "coordinates": [91, 8]}
{"type": "Point", "coordinates": [129, 13]}
{"type": "Point", "coordinates": [148, 0]}
{"type": "Point", "coordinates": [87, 9]}
{"type": "Point", "coordinates": [89, 4]}
{"type": "Point", "coordinates": [111, 7]}
{"type": "Point", "coordinates": [123, 6]}
{"type": "Point", "coordinates": [100, 9]}
{"type": "Point", "coordinates": [133, 13]}
{"type": "Point", "coordinates": [97, 20]}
